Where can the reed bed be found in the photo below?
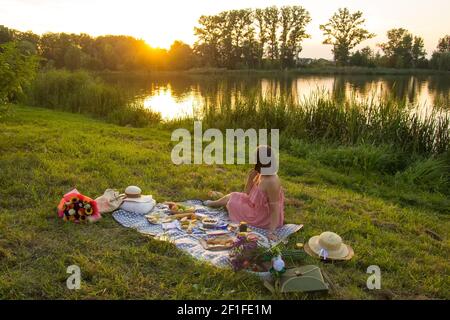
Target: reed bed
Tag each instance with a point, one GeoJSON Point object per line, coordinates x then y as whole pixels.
{"type": "Point", "coordinates": [80, 92]}
{"type": "Point", "coordinates": [322, 118]}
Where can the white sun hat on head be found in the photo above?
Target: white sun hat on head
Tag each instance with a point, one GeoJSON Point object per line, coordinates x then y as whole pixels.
{"type": "Point", "coordinates": [328, 245]}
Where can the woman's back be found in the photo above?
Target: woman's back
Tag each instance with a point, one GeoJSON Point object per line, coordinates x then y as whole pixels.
{"type": "Point", "coordinates": [270, 184]}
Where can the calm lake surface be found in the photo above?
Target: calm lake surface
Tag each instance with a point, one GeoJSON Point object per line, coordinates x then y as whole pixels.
{"type": "Point", "coordinates": [180, 95]}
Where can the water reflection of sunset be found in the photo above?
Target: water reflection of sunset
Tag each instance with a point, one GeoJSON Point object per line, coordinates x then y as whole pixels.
{"type": "Point", "coordinates": [170, 106]}
{"type": "Point", "coordinates": [181, 97]}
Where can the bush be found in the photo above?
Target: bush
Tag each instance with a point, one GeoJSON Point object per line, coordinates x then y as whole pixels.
{"type": "Point", "coordinates": [383, 159]}
{"type": "Point", "coordinates": [366, 157]}
{"type": "Point", "coordinates": [17, 69]}
{"type": "Point", "coordinates": [432, 174]}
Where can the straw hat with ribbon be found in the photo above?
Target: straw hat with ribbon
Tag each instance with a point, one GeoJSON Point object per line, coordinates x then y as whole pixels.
{"type": "Point", "coordinates": [133, 194]}
{"type": "Point", "coordinates": [328, 245]}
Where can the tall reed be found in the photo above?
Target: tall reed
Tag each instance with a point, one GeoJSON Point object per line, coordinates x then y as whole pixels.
{"type": "Point", "coordinates": [80, 92]}
{"type": "Point", "coordinates": [347, 122]}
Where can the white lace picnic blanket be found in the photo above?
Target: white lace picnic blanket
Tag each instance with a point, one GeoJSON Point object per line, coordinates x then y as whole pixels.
{"type": "Point", "coordinates": [190, 242]}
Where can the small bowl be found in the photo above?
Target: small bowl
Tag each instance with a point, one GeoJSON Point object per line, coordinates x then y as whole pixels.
{"type": "Point", "coordinates": [209, 223]}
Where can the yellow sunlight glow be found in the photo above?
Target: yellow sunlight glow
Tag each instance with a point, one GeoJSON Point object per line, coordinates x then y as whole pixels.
{"type": "Point", "coordinates": [171, 107]}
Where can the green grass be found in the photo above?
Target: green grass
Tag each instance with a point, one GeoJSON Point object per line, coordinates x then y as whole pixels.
{"type": "Point", "coordinates": [45, 153]}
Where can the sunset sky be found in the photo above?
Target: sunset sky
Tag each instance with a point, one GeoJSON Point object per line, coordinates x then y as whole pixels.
{"type": "Point", "coordinates": [161, 22]}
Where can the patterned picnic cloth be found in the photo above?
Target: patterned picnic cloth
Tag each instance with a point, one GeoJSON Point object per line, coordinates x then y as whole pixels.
{"type": "Point", "coordinates": [190, 242]}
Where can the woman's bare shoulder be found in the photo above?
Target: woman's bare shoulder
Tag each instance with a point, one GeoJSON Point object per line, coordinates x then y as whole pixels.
{"type": "Point", "coordinates": [270, 182]}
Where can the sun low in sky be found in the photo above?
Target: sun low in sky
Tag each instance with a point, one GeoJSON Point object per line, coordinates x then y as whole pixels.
{"type": "Point", "coordinates": [161, 22]}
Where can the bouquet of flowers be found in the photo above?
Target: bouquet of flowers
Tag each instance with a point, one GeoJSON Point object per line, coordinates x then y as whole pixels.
{"type": "Point", "coordinates": [78, 208]}
{"type": "Point", "coordinates": [246, 254]}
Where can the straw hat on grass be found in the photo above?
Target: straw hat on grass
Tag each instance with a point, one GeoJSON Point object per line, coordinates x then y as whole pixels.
{"type": "Point", "coordinates": [328, 246]}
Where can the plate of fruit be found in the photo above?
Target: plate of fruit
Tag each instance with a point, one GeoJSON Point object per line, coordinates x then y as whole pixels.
{"type": "Point", "coordinates": [177, 207]}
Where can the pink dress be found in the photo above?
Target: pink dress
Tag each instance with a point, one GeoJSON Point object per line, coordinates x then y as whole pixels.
{"type": "Point", "coordinates": [253, 208]}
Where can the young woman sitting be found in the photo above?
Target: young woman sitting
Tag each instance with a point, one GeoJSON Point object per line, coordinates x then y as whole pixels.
{"type": "Point", "coordinates": [262, 203]}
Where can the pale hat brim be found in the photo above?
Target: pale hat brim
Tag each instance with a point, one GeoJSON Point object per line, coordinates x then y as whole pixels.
{"type": "Point", "coordinates": [148, 198]}
{"type": "Point", "coordinates": [345, 252]}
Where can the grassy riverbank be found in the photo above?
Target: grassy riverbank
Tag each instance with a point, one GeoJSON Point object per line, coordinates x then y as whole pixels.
{"type": "Point", "coordinates": [390, 222]}
{"type": "Point", "coordinates": [321, 117]}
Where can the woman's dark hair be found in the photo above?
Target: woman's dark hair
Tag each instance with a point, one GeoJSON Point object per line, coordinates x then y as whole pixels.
{"type": "Point", "coordinates": [259, 164]}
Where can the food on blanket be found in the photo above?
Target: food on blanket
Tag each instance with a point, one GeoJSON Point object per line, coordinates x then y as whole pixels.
{"type": "Point", "coordinates": [156, 217]}
{"type": "Point", "coordinates": [224, 242]}
{"type": "Point", "coordinates": [188, 223]}
{"type": "Point", "coordinates": [216, 232]}
{"type": "Point", "coordinates": [221, 240]}
{"type": "Point", "coordinates": [209, 223]}
{"type": "Point", "coordinates": [166, 220]}
{"type": "Point", "coordinates": [243, 227]}
{"type": "Point", "coordinates": [253, 237]}
{"type": "Point", "coordinates": [242, 234]}
{"type": "Point", "coordinates": [159, 217]}
{"type": "Point", "coordinates": [189, 215]}
{"type": "Point", "coordinates": [234, 227]}
{"type": "Point", "coordinates": [200, 216]}
{"type": "Point", "coordinates": [152, 219]}
{"type": "Point", "coordinates": [170, 204]}
{"type": "Point", "coordinates": [175, 207]}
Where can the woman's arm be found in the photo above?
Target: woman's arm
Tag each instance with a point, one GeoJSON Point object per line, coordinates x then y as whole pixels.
{"type": "Point", "coordinates": [250, 180]}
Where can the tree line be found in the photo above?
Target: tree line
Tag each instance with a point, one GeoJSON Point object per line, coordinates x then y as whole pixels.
{"type": "Point", "coordinates": [110, 52]}
{"type": "Point", "coordinates": [266, 38]}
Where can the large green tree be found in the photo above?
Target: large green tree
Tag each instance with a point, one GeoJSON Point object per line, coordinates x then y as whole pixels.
{"type": "Point", "coordinates": [293, 22]}
{"type": "Point", "coordinates": [441, 56]}
{"type": "Point", "coordinates": [6, 34]}
{"type": "Point", "coordinates": [208, 38]}
{"type": "Point", "coordinates": [344, 31]}
{"type": "Point", "coordinates": [403, 50]}
{"type": "Point", "coordinates": [17, 69]}
{"type": "Point", "coordinates": [444, 44]}
{"type": "Point", "coordinates": [181, 56]}
{"type": "Point", "coordinates": [263, 35]}
{"type": "Point", "coordinates": [363, 58]}
{"type": "Point", "coordinates": [272, 19]}
{"type": "Point", "coordinates": [249, 38]}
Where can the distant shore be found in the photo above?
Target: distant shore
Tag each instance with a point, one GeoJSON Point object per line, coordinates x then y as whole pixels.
{"type": "Point", "coordinates": [352, 70]}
